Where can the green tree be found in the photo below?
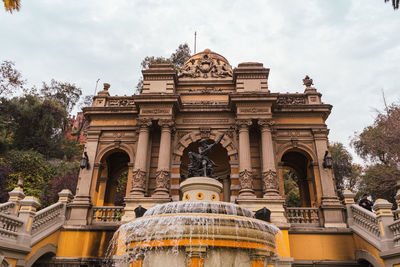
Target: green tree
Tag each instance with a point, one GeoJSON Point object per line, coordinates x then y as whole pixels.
{"type": "Point", "coordinates": [10, 78]}
{"type": "Point", "coordinates": [291, 186]}
{"type": "Point", "coordinates": [67, 93]}
{"type": "Point", "coordinates": [379, 145]}
{"type": "Point", "coordinates": [177, 59]}
{"type": "Point", "coordinates": [39, 124]}
{"type": "Point", "coordinates": [30, 168]}
{"type": "Point", "coordinates": [342, 166]}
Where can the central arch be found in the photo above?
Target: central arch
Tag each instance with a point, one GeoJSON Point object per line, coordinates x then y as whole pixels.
{"type": "Point", "coordinates": [225, 155]}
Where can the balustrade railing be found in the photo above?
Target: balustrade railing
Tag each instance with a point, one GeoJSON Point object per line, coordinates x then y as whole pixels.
{"type": "Point", "coordinates": [395, 227]}
{"type": "Point", "coordinates": [303, 215]}
{"type": "Point", "coordinates": [9, 226]}
{"type": "Point", "coordinates": [366, 220]}
{"type": "Point", "coordinates": [107, 214]}
{"type": "Point", "coordinates": [48, 217]}
{"type": "Point", "coordinates": [7, 208]}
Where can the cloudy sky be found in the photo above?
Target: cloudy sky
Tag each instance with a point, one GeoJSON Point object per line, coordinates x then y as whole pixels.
{"type": "Point", "coordinates": [350, 48]}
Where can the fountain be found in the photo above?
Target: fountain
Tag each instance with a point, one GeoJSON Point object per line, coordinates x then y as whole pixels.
{"type": "Point", "coordinates": [197, 231]}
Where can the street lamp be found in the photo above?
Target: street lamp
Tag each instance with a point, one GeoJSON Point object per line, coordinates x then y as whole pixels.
{"type": "Point", "coordinates": [84, 162]}
{"type": "Point", "coordinates": [328, 162]}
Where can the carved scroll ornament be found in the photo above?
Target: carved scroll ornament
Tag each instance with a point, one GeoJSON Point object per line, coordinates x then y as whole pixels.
{"type": "Point", "coordinates": [139, 178]}
{"type": "Point", "coordinates": [162, 179]}
{"type": "Point", "coordinates": [246, 179]}
{"type": "Point", "coordinates": [206, 67]}
{"type": "Point", "coordinates": [270, 182]}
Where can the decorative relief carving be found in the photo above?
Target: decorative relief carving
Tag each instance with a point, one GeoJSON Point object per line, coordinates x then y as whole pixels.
{"type": "Point", "coordinates": [166, 123]}
{"type": "Point", "coordinates": [206, 67]}
{"type": "Point", "coordinates": [270, 182]}
{"type": "Point", "coordinates": [243, 123]}
{"type": "Point", "coordinates": [268, 123]}
{"type": "Point", "coordinates": [206, 91]}
{"type": "Point", "coordinates": [307, 81]}
{"type": "Point", "coordinates": [162, 179]}
{"type": "Point", "coordinates": [205, 121]}
{"type": "Point", "coordinates": [118, 134]}
{"type": "Point", "coordinates": [206, 102]}
{"type": "Point", "coordinates": [156, 111]}
{"type": "Point", "coordinates": [246, 179]}
{"type": "Point", "coordinates": [139, 178]}
{"type": "Point", "coordinates": [144, 122]}
{"type": "Point", "coordinates": [121, 102]}
{"type": "Point", "coordinates": [205, 133]}
{"type": "Point", "coordinates": [291, 100]}
{"type": "Point", "coordinates": [254, 110]}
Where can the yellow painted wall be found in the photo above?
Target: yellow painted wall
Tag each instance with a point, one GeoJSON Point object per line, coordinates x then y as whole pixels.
{"type": "Point", "coordinates": [338, 247]}
{"type": "Point", "coordinates": [13, 262]}
{"type": "Point", "coordinates": [283, 244]}
{"type": "Point", "coordinates": [361, 244]}
{"type": "Point", "coordinates": [51, 239]}
{"type": "Point", "coordinates": [83, 243]}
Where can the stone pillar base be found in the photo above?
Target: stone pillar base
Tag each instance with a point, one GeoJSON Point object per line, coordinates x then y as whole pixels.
{"type": "Point", "coordinates": [131, 203]}
{"type": "Point", "coordinates": [79, 210]}
{"type": "Point", "coordinates": [333, 213]}
{"type": "Point", "coordinates": [274, 204]}
{"type": "Point", "coordinates": [200, 189]}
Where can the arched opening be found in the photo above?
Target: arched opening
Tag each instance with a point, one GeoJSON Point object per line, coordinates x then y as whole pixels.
{"type": "Point", "coordinates": [219, 155]}
{"type": "Point", "coordinates": [299, 179]}
{"type": "Point", "coordinates": [44, 260]}
{"type": "Point", "coordinates": [111, 187]}
{"type": "Point", "coordinates": [364, 263]}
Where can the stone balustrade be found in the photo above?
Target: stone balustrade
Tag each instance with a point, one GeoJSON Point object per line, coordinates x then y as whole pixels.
{"type": "Point", "coordinates": [7, 208]}
{"type": "Point", "coordinates": [107, 214]}
{"type": "Point", "coordinates": [48, 217]}
{"type": "Point", "coordinates": [9, 226]}
{"type": "Point", "coordinates": [365, 219]}
{"type": "Point", "coordinates": [395, 228]}
{"type": "Point", "coordinates": [303, 215]}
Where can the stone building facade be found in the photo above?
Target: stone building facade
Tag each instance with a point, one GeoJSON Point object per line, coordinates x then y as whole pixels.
{"type": "Point", "coordinates": [137, 154]}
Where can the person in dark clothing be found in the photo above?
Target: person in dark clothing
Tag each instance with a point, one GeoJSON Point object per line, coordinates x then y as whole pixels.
{"type": "Point", "coordinates": [365, 203]}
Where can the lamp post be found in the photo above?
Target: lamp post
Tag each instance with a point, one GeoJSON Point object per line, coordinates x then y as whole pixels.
{"type": "Point", "coordinates": [328, 162]}
{"type": "Point", "coordinates": [84, 162]}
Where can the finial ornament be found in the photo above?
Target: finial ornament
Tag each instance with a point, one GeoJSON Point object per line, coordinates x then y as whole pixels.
{"type": "Point", "coordinates": [307, 81]}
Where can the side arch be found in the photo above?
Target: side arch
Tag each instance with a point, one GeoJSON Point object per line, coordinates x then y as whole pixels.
{"type": "Point", "coordinates": [195, 136]}
{"type": "Point", "coordinates": [365, 255]}
{"type": "Point", "coordinates": [46, 249]}
{"type": "Point", "coordinates": [299, 147]}
{"type": "Point", "coordinates": [110, 148]}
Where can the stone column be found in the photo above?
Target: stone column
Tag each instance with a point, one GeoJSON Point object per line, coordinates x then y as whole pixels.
{"type": "Point", "coordinates": [163, 173]}
{"type": "Point", "coordinates": [349, 201]}
{"type": "Point", "coordinates": [269, 176]}
{"type": "Point", "coordinates": [245, 170]}
{"type": "Point", "coordinates": [26, 213]}
{"type": "Point", "coordinates": [331, 206]}
{"type": "Point", "coordinates": [258, 258]}
{"type": "Point", "coordinates": [139, 172]}
{"type": "Point", "coordinates": [384, 214]}
{"type": "Point", "coordinates": [82, 202]}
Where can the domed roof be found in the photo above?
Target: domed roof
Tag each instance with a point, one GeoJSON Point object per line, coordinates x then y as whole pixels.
{"type": "Point", "coordinates": [206, 65]}
{"type": "Point", "coordinates": [207, 53]}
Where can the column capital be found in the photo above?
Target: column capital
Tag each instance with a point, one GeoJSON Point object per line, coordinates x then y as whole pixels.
{"type": "Point", "coordinates": [266, 123]}
{"type": "Point", "coordinates": [243, 123]}
{"type": "Point", "coordinates": [144, 123]}
{"type": "Point", "coordinates": [166, 123]}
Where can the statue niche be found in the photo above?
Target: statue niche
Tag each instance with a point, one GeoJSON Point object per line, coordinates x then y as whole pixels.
{"type": "Point", "coordinates": [200, 165]}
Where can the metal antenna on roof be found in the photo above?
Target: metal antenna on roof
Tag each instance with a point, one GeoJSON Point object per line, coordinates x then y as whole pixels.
{"type": "Point", "coordinates": [95, 89]}
{"type": "Point", "coordinates": [195, 35]}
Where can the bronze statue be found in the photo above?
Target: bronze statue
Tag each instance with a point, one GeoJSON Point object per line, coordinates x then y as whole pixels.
{"type": "Point", "coordinates": [199, 163]}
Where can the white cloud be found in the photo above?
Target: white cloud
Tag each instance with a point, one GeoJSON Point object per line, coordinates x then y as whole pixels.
{"type": "Point", "coordinates": [350, 48]}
